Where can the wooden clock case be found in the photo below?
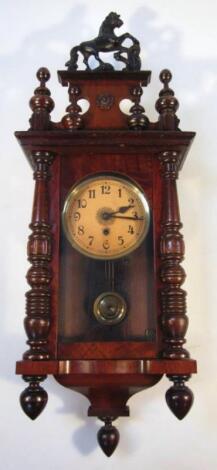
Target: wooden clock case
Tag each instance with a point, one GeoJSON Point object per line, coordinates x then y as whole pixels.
{"type": "Point", "coordinates": [106, 364]}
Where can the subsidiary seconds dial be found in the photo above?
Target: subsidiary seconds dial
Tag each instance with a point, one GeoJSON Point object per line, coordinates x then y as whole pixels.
{"type": "Point", "coordinates": [106, 216]}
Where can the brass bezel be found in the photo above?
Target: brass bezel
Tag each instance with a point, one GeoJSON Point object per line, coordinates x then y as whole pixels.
{"type": "Point", "coordinates": [82, 184]}
{"type": "Point", "coordinates": [113, 321]}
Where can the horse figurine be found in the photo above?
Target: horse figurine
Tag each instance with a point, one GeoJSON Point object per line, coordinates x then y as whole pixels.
{"type": "Point", "coordinates": [107, 41]}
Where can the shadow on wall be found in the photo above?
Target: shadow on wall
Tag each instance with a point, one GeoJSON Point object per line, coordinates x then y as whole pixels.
{"type": "Point", "coordinates": [195, 79]}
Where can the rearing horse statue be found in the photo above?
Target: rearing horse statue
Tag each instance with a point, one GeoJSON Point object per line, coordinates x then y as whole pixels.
{"type": "Point", "coordinates": [107, 41]}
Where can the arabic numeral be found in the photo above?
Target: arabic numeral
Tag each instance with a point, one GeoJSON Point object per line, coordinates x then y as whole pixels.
{"type": "Point", "coordinates": [106, 189]}
{"type": "Point", "coordinates": [106, 245]}
{"type": "Point", "coordinates": [131, 200]}
{"type": "Point", "coordinates": [92, 193]}
{"type": "Point", "coordinates": [80, 230]}
{"type": "Point", "coordinates": [135, 214]}
{"type": "Point", "coordinates": [91, 238]}
{"type": "Point", "coordinates": [82, 203]}
{"type": "Point", "coordinates": [120, 240]}
{"type": "Point", "coordinates": [131, 229]}
{"type": "Point", "coordinates": [77, 216]}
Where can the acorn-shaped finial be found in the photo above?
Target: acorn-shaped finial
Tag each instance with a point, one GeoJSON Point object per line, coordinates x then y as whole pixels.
{"type": "Point", "coordinates": [179, 398]}
{"type": "Point", "coordinates": [34, 398]}
{"type": "Point", "coordinates": [108, 437]}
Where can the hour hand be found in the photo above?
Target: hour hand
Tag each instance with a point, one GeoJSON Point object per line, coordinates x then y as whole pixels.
{"type": "Point", "coordinates": [121, 210]}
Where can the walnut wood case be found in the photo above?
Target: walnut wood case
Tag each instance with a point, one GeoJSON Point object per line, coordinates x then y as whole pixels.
{"type": "Point", "coordinates": [107, 364]}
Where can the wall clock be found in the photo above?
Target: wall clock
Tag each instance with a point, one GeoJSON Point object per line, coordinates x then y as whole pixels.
{"type": "Point", "coordinates": [106, 311]}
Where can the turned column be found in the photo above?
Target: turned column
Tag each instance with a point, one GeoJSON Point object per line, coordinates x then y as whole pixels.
{"type": "Point", "coordinates": [174, 321]}
{"type": "Point", "coordinates": [38, 298]}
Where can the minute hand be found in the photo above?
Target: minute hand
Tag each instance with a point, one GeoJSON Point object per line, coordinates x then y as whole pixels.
{"type": "Point", "coordinates": [125, 217]}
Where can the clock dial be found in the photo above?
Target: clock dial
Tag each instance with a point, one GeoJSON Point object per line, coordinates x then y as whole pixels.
{"type": "Point", "coordinates": [106, 216]}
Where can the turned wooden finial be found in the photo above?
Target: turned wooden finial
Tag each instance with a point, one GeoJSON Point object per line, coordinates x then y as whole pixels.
{"type": "Point", "coordinates": [73, 119]}
{"type": "Point", "coordinates": [179, 398]}
{"type": "Point", "coordinates": [137, 120]}
{"type": "Point", "coordinates": [108, 436]}
{"type": "Point", "coordinates": [43, 75]}
{"type": "Point", "coordinates": [166, 77]}
{"type": "Point", "coordinates": [41, 103]}
{"type": "Point", "coordinates": [167, 104]}
{"type": "Point", "coordinates": [34, 398]}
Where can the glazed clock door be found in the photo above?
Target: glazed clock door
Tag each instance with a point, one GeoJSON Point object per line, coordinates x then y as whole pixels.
{"type": "Point", "coordinates": [107, 236]}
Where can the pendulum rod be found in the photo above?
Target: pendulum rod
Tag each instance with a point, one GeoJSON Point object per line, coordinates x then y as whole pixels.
{"type": "Point", "coordinates": [110, 275]}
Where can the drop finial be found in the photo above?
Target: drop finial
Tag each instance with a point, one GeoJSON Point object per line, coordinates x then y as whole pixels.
{"type": "Point", "coordinates": [34, 398]}
{"type": "Point", "coordinates": [108, 437]}
{"type": "Point", "coordinates": [179, 398]}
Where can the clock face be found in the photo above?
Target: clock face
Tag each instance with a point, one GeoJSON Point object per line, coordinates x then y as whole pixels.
{"type": "Point", "coordinates": [106, 217]}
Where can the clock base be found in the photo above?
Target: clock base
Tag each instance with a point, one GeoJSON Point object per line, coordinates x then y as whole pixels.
{"type": "Point", "coordinates": [108, 385]}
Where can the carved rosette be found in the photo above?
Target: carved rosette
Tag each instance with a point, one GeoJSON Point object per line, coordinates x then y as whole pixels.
{"type": "Point", "coordinates": [173, 297]}
{"type": "Point", "coordinates": [105, 101]}
{"type": "Point", "coordinates": [37, 320]}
